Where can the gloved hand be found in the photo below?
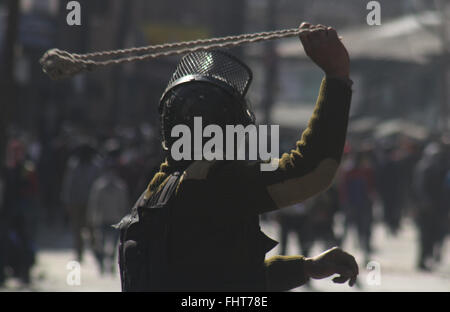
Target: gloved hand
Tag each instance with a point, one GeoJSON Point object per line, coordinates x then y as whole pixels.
{"type": "Point", "coordinates": [330, 262]}
{"type": "Point", "coordinates": [324, 47]}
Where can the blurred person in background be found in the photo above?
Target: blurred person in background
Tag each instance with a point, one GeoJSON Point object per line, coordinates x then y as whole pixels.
{"type": "Point", "coordinates": [357, 194]}
{"type": "Point", "coordinates": [311, 221]}
{"type": "Point", "coordinates": [409, 154]}
{"type": "Point", "coordinates": [446, 188]}
{"type": "Point", "coordinates": [82, 169]}
{"type": "Point", "coordinates": [108, 202]}
{"type": "Point", "coordinates": [133, 161]}
{"type": "Point", "coordinates": [51, 170]}
{"type": "Point", "coordinates": [432, 207]}
{"type": "Point", "coordinates": [321, 214]}
{"type": "Point", "coordinates": [389, 182]}
{"type": "Point", "coordinates": [3, 234]}
{"type": "Point", "coordinates": [19, 214]}
{"type": "Point", "coordinates": [294, 219]}
{"type": "Point", "coordinates": [446, 201]}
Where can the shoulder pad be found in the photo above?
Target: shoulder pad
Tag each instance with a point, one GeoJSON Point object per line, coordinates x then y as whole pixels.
{"type": "Point", "coordinates": [198, 170]}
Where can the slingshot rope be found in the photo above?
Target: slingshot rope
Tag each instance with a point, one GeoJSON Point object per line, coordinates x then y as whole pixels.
{"type": "Point", "coordinates": [60, 64]}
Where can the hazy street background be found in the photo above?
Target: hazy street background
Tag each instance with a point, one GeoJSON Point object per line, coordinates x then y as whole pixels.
{"type": "Point", "coordinates": [396, 256]}
{"type": "Point", "coordinates": [62, 142]}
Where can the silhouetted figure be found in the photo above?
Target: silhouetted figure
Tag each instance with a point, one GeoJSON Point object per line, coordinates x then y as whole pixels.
{"type": "Point", "coordinates": [321, 213]}
{"type": "Point", "coordinates": [196, 226]}
{"type": "Point", "coordinates": [432, 210]}
{"type": "Point", "coordinates": [18, 217]}
{"type": "Point", "coordinates": [82, 170]}
{"type": "Point", "coordinates": [108, 202]}
{"type": "Point", "coordinates": [294, 219]}
{"type": "Point", "coordinates": [311, 222]}
{"type": "Point", "coordinates": [358, 193]}
{"type": "Point", "coordinates": [389, 186]}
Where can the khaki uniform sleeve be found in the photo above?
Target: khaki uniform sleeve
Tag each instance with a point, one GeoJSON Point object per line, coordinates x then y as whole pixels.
{"type": "Point", "coordinates": [308, 169]}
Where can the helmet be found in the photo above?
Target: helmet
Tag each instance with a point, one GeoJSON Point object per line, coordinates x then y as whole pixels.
{"type": "Point", "coordinates": [210, 84]}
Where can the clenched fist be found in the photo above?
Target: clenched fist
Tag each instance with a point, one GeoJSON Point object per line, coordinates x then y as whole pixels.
{"type": "Point", "coordinates": [324, 47]}
{"type": "Point", "coordinates": [330, 262]}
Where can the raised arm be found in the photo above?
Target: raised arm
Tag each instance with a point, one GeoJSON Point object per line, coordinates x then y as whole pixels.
{"type": "Point", "coordinates": [309, 168]}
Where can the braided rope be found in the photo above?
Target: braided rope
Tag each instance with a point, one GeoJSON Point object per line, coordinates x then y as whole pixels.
{"type": "Point", "coordinates": [60, 64]}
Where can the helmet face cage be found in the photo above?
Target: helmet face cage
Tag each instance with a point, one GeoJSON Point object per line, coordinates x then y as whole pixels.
{"type": "Point", "coordinates": [197, 75]}
{"type": "Point", "coordinates": [216, 67]}
{"type": "Point", "coordinates": [198, 99]}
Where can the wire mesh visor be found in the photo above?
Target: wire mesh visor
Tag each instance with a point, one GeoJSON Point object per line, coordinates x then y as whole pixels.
{"type": "Point", "coordinates": [215, 67]}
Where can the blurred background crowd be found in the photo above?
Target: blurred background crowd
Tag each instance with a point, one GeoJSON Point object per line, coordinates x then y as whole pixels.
{"type": "Point", "coordinates": [75, 154]}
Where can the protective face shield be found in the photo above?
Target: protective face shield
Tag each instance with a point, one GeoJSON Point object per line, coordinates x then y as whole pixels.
{"type": "Point", "coordinates": [208, 72]}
